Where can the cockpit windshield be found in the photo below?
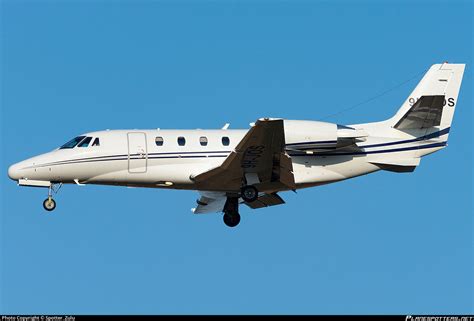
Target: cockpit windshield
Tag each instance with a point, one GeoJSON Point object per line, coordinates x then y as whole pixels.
{"type": "Point", "coordinates": [73, 142]}
{"type": "Point", "coordinates": [85, 142]}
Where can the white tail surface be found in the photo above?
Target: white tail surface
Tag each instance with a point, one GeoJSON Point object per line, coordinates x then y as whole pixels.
{"type": "Point", "coordinates": [432, 103]}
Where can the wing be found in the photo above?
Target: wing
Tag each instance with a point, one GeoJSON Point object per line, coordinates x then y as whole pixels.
{"type": "Point", "coordinates": [259, 159]}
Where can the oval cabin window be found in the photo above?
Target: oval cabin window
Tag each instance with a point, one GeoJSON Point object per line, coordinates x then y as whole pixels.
{"type": "Point", "coordinates": [203, 141]}
{"type": "Point", "coordinates": [159, 141]}
{"type": "Point", "coordinates": [225, 141]}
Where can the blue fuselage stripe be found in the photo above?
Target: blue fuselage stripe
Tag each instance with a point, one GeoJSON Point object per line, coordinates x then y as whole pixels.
{"type": "Point", "coordinates": [425, 137]}
{"type": "Point", "coordinates": [402, 149]}
{"type": "Point", "coordinates": [313, 143]}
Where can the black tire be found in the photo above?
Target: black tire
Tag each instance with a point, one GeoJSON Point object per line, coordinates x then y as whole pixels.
{"type": "Point", "coordinates": [249, 193]}
{"type": "Point", "coordinates": [49, 204]}
{"type": "Point", "coordinates": [232, 220]}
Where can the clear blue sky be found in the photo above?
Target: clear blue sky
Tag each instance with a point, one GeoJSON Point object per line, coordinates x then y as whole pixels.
{"type": "Point", "coordinates": [382, 243]}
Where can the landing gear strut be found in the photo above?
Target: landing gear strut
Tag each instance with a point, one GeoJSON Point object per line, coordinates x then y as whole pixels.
{"type": "Point", "coordinates": [231, 212]}
{"type": "Point", "coordinates": [49, 204]}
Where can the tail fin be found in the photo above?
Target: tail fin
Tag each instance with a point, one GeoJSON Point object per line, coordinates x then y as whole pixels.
{"type": "Point", "coordinates": [431, 105]}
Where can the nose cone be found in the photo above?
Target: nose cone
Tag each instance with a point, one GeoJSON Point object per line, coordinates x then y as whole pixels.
{"type": "Point", "coordinates": [14, 172]}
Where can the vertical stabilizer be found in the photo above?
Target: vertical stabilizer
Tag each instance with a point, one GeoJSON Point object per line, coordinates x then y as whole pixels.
{"type": "Point", "coordinates": [431, 105]}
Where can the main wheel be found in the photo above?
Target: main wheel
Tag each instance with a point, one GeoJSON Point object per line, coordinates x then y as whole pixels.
{"type": "Point", "coordinates": [231, 219]}
{"type": "Point", "coordinates": [249, 193]}
{"type": "Point", "coordinates": [49, 204]}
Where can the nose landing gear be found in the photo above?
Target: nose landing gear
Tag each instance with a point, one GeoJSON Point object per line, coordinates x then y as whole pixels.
{"type": "Point", "coordinates": [49, 204]}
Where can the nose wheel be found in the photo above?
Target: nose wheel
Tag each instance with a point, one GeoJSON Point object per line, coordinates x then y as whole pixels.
{"type": "Point", "coordinates": [49, 204]}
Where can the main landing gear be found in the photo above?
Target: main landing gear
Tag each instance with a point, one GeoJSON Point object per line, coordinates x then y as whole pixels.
{"type": "Point", "coordinates": [231, 219]}
{"type": "Point", "coordinates": [49, 204]}
{"type": "Point", "coordinates": [231, 208]}
{"type": "Point", "coordinates": [231, 212]}
{"type": "Point", "coordinates": [249, 193]}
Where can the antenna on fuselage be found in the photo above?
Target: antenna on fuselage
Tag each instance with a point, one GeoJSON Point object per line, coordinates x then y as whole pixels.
{"type": "Point", "coordinates": [226, 126]}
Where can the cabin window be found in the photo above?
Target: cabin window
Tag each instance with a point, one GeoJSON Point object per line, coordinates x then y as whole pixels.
{"type": "Point", "coordinates": [159, 141]}
{"type": "Point", "coordinates": [181, 141]}
{"type": "Point", "coordinates": [96, 142]}
{"type": "Point", "coordinates": [203, 141]}
{"type": "Point", "coordinates": [85, 142]}
{"type": "Point", "coordinates": [225, 141]}
{"type": "Point", "coordinates": [73, 142]}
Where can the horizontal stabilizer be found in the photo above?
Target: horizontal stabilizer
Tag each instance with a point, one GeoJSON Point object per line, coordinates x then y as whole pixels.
{"type": "Point", "coordinates": [399, 165]}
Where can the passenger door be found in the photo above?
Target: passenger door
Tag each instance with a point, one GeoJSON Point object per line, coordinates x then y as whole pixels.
{"type": "Point", "coordinates": [137, 152]}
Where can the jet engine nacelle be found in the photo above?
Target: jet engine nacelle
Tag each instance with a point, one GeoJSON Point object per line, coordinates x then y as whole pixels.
{"type": "Point", "coordinates": [306, 135]}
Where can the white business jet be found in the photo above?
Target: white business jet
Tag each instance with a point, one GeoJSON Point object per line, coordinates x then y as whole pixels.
{"type": "Point", "coordinates": [232, 167]}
